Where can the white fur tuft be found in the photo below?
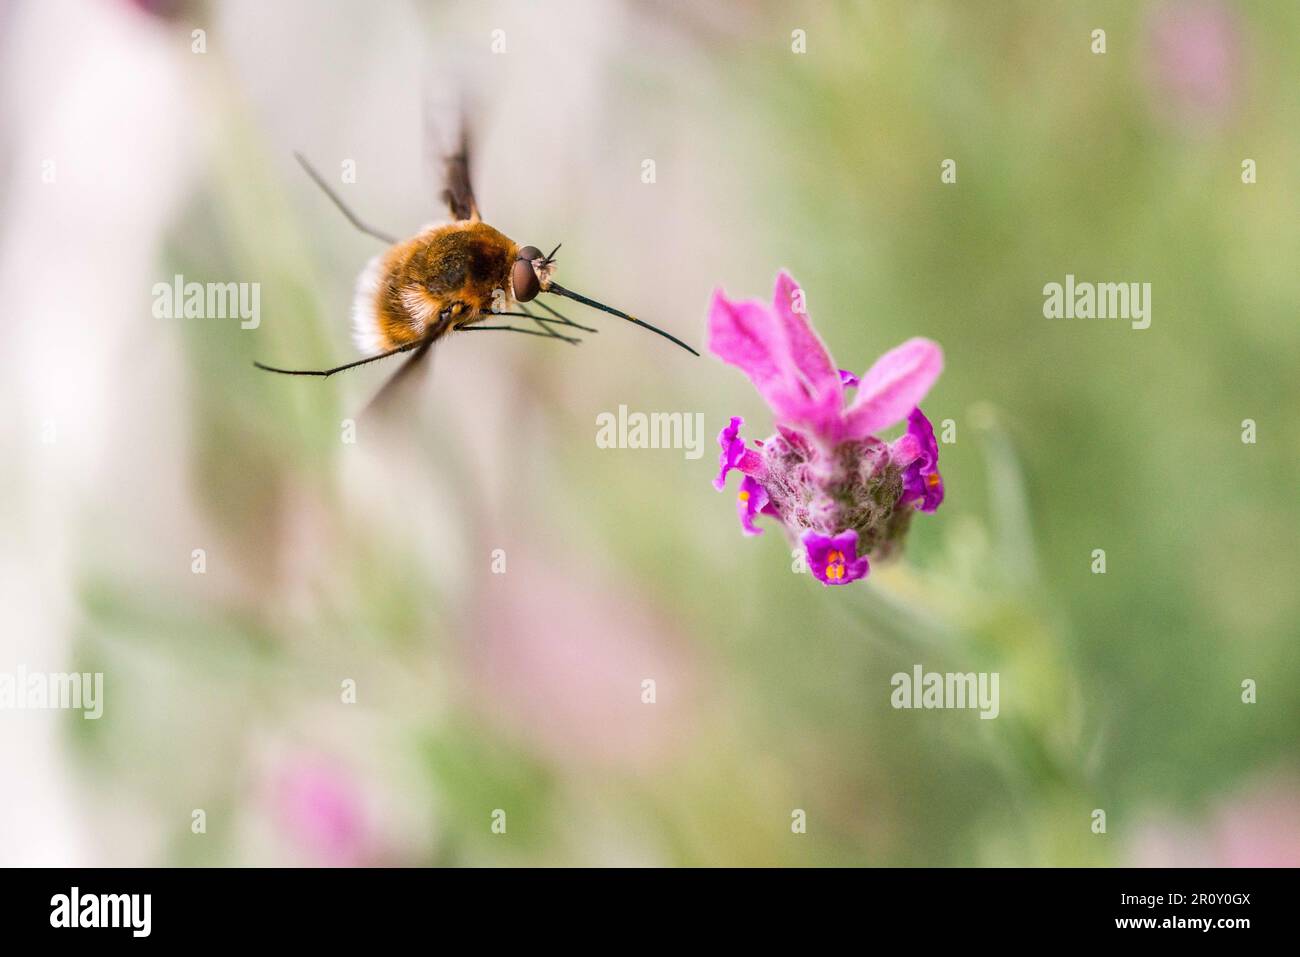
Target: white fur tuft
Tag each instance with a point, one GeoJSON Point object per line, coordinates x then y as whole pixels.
{"type": "Point", "coordinates": [365, 319]}
{"type": "Point", "coordinates": [420, 310]}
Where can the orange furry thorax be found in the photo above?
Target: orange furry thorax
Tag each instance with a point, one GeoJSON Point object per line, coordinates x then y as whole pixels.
{"type": "Point", "coordinates": [461, 269]}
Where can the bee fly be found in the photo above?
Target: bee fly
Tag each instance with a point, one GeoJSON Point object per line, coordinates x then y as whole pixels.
{"type": "Point", "coordinates": [451, 277]}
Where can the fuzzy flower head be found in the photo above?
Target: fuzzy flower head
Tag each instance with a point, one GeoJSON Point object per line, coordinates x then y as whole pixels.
{"type": "Point", "coordinates": [836, 487]}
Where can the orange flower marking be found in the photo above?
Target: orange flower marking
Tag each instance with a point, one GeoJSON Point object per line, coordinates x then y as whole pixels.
{"type": "Point", "coordinates": [835, 565]}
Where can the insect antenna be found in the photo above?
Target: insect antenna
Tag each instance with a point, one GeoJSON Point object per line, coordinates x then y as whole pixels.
{"type": "Point", "coordinates": [352, 218]}
{"type": "Point", "coordinates": [559, 290]}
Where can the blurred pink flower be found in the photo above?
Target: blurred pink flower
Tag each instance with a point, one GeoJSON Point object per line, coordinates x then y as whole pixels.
{"type": "Point", "coordinates": [1256, 827]}
{"type": "Point", "coordinates": [323, 814]}
{"type": "Point", "coordinates": [1262, 828]}
{"type": "Point", "coordinates": [560, 653]}
{"type": "Point", "coordinates": [1193, 63]}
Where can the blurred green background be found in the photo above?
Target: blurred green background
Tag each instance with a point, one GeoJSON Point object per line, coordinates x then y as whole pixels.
{"type": "Point", "coordinates": [372, 562]}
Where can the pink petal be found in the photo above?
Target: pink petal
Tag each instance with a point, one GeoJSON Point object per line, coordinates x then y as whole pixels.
{"type": "Point", "coordinates": [749, 336]}
{"type": "Point", "coordinates": [893, 387]}
{"type": "Point", "coordinates": [806, 349]}
{"type": "Point", "coordinates": [746, 335]}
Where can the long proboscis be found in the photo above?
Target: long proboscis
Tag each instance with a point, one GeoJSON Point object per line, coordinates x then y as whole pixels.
{"type": "Point", "coordinates": [576, 297]}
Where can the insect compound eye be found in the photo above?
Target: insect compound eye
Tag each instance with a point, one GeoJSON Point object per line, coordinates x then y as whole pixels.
{"type": "Point", "coordinates": [524, 281]}
{"type": "Point", "coordinates": [529, 252]}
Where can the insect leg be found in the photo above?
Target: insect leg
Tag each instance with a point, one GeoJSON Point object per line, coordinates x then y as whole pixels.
{"type": "Point", "coordinates": [558, 318]}
{"type": "Point", "coordinates": [545, 333]}
{"type": "Point", "coordinates": [539, 320]}
{"type": "Point", "coordinates": [352, 218]}
{"type": "Point", "coordinates": [325, 373]}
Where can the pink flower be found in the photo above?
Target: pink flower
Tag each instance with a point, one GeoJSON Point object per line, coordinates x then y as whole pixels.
{"type": "Point", "coordinates": [825, 472]}
{"type": "Point", "coordinates": [325, 814]}
{"type": "Point", "coordinates": [834, 560]}
{"type": "Point", "coordinates": [749, 503]}
{"type": "Point", "coordinates": [560, 652]}
{"type": "Point", "coordinates": [1257, 826]}
{"type": "Point", "coordinates": [1193, 62]}
{"type": "Point", "coordinates": [792, 370]}
{"type": "Point", "coordinates": [921, 480]}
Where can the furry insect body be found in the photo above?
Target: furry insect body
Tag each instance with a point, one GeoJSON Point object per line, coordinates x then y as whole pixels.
{"type": "Point", "coordinates": [450, 277]}
{"type": "Point", "coordinates": [445, 278]}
